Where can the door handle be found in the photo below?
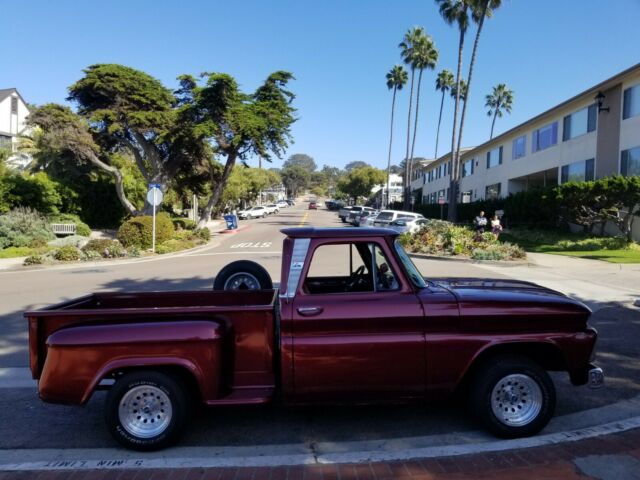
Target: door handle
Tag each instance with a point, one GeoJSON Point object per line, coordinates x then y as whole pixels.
{"type": "Point", "coordinates": [309, 311]}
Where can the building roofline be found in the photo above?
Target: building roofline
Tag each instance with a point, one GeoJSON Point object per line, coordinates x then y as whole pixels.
{"type": "Point", "coordinates": [609, 82]}
{"type": "Point", "coordinates": [7, 93]}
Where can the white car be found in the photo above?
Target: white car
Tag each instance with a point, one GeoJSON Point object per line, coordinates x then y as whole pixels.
{"type": "Point", "coordinates": [272, 208]}
{"type": "Point", "coordinates": [385, 217]}
{"type": "Point", "coordinates": [404, 225]}
{"type": "Point", "coordinates": [282, 204]}
{"type": "Point", "coordinates": [255, 212]}
{"type": "Point", "coordinates": [368, 220]}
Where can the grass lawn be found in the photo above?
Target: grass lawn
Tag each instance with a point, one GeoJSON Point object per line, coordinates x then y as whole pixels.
{"type": "Point", "coordinates": [574, 245]}
{"type": "Point", "coordinates": [14, 252]}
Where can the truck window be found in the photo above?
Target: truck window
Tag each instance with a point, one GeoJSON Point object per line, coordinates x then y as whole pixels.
{"type": "Point", "coordinates": [349, 267]}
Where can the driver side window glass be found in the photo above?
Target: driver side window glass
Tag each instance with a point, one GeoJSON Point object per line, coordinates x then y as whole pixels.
{"type": "Point", "coordinates": [338, 268]}
{"type": "Point", "coordinates": [385, 278]}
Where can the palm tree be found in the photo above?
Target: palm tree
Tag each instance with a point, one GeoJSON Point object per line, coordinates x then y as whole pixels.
{"type": "Point", "coordinates": [408, 51]}
{"type": "Point", "coordinates": [396, 79]}
{"type": "Point", "coordinates": [501, 98]}
{"type": "Point", "coordinates": [426, 57]}
{"type": "Point", "coordinates": [444, 82]}
{"type": "Point", "coordinates": [463, 91]}
{"type": "Point", "coordinates": [455, 11]}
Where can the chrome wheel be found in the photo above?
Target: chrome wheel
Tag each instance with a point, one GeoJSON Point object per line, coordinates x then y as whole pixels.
{"type": "Point", "coordinates": [516, 400]}
{"type": "Point", "coordinates": [242, 281]}
{"type": "Point", "coordinates": [145, 411]}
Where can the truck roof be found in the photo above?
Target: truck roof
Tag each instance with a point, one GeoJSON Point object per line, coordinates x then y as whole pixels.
{"type": "Point", "coordinates": [338, 232]}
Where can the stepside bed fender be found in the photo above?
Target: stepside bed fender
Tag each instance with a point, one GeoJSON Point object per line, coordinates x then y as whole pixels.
{"type": "Point", "coordinates": [78, 358]}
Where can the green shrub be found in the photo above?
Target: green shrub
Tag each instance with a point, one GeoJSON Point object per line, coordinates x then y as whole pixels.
{"type": "Point", "coordinates": [107, 248]}
{"type": "Point", "coordinates": [203, 233]}
{"type": "Point", "coordinates": [68, 253]}
{"type": "Point", "coordinates": [90, 255]}
{"type": "Point", "coordinates": [82, 228]}
{"type": "Point", "coordinates": [33, 260]}
{"type": "Point", "coordinates": [173, 245]}
{"type": "Point", "coordinates": [183, 224]}
{"type": "Point", "coordinates": [21, 226]}
{"type": "Point", "coordinates": [13, 252]}
{"type": "Point", "coordinates": [138, 231]}
{"type": "Point", "coordinates": [75, 240]}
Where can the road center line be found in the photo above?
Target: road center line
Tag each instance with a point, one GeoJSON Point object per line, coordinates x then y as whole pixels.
{"type": "Point", "coordinates": [304, 219]}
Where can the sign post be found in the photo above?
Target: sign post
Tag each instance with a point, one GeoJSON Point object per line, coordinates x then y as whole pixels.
{"type": "Point", "coordinates": [154, 197]}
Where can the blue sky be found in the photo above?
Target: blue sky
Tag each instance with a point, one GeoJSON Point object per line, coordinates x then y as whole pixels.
{"type": "Point", "coordinates": [339, 51]}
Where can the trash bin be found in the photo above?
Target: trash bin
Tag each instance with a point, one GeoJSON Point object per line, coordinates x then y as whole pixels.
{"type": "Point", "coordinates": [232, 222]}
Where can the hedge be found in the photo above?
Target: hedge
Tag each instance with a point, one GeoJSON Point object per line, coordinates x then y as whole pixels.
{"type": "Point", "coordinates": [137, 231]}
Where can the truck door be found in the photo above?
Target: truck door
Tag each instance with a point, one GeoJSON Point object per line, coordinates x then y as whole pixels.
{"type": "Point", "coordinates": [357, 325]}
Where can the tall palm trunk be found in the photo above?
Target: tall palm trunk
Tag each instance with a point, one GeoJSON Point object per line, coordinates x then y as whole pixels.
{"type": "Point", "coordinates": [493, 123]}
{"type": "Point", "coordinates": [471, 64]}
{"type": "Point", "coordinates": [393, 107]}
{"type": "Point", "coordinates": [406, 160]}
{"type": "Point", "coordinates": [415, 127]}
{"type": "Point", "coordinates": [439, 121]}
{"type": "Point", "coordinates": [452, 212]}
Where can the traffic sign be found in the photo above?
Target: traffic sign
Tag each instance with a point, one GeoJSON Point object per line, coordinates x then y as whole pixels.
{"type": "Point", "coordinates": [154, 197]}
{"type": "Point", "coordinates": [441, 200]}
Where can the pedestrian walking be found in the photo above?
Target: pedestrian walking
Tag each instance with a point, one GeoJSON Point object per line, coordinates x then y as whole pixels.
{"type": "Point", "coordinates": [480, 222]}
{"type": "Point", "coordinates": [496, 228]}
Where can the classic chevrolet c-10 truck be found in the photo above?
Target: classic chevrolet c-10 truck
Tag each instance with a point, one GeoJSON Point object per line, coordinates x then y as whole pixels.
{"type": "Point", "coordinates": [352, 322]}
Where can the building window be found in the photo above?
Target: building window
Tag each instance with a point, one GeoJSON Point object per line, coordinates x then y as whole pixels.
{"type": "Point", "coordinates": [14, 104]}
{"type": "Point", "coordinates": [467, 168]}
{"type": "Point", "coordinates": [580, 122]}
{"type": "Point", "coordinates": [631, 107]}
{"type": "Point", "coordinates": [466, 196]}
{"type": "Point", "coordinates": [494, 157]}
{"type": "Point", "coordinates": [519, 147]}
{"type": "Point", "coordinates": [492, 192]}
{"type": "Point", "coordinates": [630, 162]}
{"type": "Point", "coordinates": [577, 172]}
{"type": "Point", "coordinates": [5, 141]}
{"type": "Point", "coordinates": [544, 137]}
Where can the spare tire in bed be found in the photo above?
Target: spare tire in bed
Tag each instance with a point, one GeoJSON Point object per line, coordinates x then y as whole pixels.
{"type": "Point", "coordinates": [243, 275]}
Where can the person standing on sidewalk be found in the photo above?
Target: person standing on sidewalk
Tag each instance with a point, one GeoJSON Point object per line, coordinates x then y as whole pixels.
{"type": "Point", "coordinates": [496, 228]}
{"type": "Point", "coordinates": [480, 223]}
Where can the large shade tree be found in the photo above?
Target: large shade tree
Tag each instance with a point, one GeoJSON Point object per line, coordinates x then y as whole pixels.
{"type": "Point", "coordinates": [301, 159]}
{"type": "Point", "coordinates": [237, 124]}
{"type": "Point", "coordinates": [498, 101]}
{"type": "Point", "coordinates": [396, 79]}
{"type": "Point", "coordinates": [131, 112]}
{"type": "Point", "coordinates": [359, 182]}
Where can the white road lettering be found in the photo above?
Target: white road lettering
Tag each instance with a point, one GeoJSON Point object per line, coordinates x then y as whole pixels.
{"type": "Point", "coordinates": [252, 245]}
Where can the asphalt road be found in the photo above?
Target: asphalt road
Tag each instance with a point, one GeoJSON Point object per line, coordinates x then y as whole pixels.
{"type": "Point", "coordinates": [28, 423]}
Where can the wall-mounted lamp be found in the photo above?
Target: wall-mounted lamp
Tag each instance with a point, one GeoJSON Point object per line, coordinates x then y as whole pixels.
{"type": "Point", "coordinates": [599, 98]}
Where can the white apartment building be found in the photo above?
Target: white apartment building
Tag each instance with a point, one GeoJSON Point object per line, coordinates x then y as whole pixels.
{"type": "Point", "coordinates": [589, 136]}
{"type": "Point", "coordinates": [13, 116]}
{"type": "Point", "coordinates": [396, 191]}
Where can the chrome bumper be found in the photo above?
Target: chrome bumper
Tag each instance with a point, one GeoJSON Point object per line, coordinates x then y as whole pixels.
{"type": "Point", "coordinates": [596, 377]}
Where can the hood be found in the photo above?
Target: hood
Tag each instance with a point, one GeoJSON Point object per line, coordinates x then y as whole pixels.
{"type": "Point", "coordinates": [474, 292]}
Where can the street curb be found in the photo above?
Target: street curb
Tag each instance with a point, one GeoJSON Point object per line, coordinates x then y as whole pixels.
{"type": "Point", "coordinates": [499, 263]}
{"type": "Point", "coordinates": [236, 230]}
{"type": "Point", "coordinates": [108, 262]}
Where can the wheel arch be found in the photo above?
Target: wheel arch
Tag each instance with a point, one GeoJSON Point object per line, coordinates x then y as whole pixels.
{"type": "Point", "coordinates": [546, 354]}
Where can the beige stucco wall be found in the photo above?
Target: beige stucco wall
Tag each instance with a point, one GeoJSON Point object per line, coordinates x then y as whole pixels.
{"type": "Point", "coordinates": [630, 128]}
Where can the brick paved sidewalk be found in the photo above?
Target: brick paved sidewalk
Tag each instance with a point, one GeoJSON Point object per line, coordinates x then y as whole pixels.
{"type": "Point", "coordinates": [608, 457]}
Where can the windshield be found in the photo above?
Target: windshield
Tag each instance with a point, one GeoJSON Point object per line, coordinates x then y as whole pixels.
{"type": "Point", "coordinates": [409, 267]}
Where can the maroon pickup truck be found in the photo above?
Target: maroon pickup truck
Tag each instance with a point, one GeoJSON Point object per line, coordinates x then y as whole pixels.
{"type": "Point", "coordinates": [353, 322]}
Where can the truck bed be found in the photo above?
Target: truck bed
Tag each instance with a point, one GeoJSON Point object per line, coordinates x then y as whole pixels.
{"type": "Point", "coordinates": [246, 319]}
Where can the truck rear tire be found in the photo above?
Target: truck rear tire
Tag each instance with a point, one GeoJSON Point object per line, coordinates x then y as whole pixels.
{"type": "Point", "coordinates": [146, 410]}
{"type": "Point", "coordinates": [513, 397]}
{"type": "Point", "coordinates": [243, 275]}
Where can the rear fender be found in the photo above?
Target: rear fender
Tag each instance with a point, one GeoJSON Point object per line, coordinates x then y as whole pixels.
{"type": "Point", "coordinates": [79, 358]}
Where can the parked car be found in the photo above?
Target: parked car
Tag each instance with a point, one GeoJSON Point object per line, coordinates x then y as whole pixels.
{"type": "Point", "coordinates": [255, 212]}
{"type": "Point", "coordinates": [353, 219]}
{"type": "Point", "coordinates": [358, 218]}
{"type": "Point", "coordinates": [408, 225]}
{"type": "Point", "coordinates": [160, 353]}
{"type": "Point", "coordinates": [291, 202]}
{"type": "Point", "coordinates": [282, 204]}
{"type": "Point", "coordinates": [272, 208]}
{"type": "Point", "coordinates": [313, 206]}
{"type": "Point", "coordinates": [368, 220]}
{"type": "Point", "coordinates": [385, 217]}
{"type": "Point", "coordinates": [344, 213]}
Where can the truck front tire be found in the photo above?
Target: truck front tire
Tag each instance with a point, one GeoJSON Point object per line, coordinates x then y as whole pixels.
{"type": "Point", "coordinates": [513, 397]}
{"type": "Point", "coordinates": [243, 275]}
{"type": "Point", "coordinates": [146, 410]}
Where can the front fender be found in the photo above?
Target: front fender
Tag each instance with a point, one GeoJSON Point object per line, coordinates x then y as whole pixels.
{"type": "Point", "coordinates": [78, 358]}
